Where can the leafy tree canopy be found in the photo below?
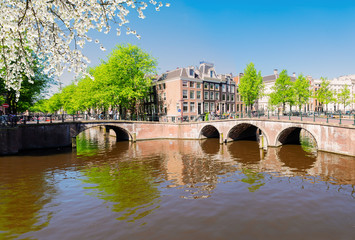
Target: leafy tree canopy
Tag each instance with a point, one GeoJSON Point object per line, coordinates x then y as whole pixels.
{"type": "Point", "coordinates": [251, 85]}
{"type": "Point", "coordinates": [302, 91]}
{"type": "Point", "coordinates": [283, 91]}
{"type": "Point", "coordinates": [324, 94]}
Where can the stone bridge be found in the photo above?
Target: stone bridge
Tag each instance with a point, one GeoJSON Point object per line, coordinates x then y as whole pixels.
{"type": "Point", "coordinates": [270, 133]}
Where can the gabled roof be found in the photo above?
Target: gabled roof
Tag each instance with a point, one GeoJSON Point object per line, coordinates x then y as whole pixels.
{"type": "Point", "coordinates": [273, 77]}
{"type": "Point", "coordinates": [169, 75]}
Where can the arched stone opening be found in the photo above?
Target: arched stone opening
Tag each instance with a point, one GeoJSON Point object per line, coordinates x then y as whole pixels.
{"type": "Point", "coordinates": [244, 131]}
{"type": "Point", "coordinates": [209, 131]}
{"type": "Point", "coordinates": [296, 136]}
{"type": "Point", "coordinates": [121, 134]}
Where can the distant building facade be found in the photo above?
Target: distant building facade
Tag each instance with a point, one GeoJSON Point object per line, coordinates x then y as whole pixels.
{"type": "Point", "coordinates": [336, 85]}
{"type": "Point", "coordinates": [190, 92]}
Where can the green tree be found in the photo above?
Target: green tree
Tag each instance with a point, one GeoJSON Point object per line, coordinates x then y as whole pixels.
{"type": "Point", "coordinates": [68, 99]}
{"type": "Point", "coordinates": [123, 81]}
{"type": "Point", "coordinates": [302, 91]}
{"type": "Point", "coordinates": [344, 97]}
{"type": "Point", "coordinates": [324, 94]}
{"type": "Point", "coordinates": [126, 76]}
{"type": "Point", "coordinates": [283, 91]}
{"type": "Point", "coordinates": [251, 85]}
{"type": "Point", "coordinates": [31, 90]}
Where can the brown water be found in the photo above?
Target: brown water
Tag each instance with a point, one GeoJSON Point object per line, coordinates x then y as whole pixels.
{"type": "Point", "coordinates": [170, 189]}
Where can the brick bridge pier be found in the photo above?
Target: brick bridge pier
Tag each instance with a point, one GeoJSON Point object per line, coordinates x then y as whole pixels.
{"type": "Point", "coordinates": [333, 138]}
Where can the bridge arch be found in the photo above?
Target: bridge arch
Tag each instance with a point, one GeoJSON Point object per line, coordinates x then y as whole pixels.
{"type": "Point", "coordinates": [122, 134]}
{"type": "Point", "coordinates": [291, 135]}
{"type": "Point", "coordinates": [246, 131]}
{"type": "Point", "coordinates": [209, 131]}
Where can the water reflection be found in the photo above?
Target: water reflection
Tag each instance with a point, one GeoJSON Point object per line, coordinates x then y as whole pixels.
{"type": "Point", "coordinates": [94, 140]}
{"type": "Point", "coordinates": [129, 186]}
{"type": "Point", "coordinates": [295, 158]}
{"type": "Point", "coordinates": [245, 152]}
{"type": "Point", "coordinates": [210, 146]}
{"type": "Point", "coordinates": [25, 191]}
{"type": "Point", "coordinates": [200, 183]}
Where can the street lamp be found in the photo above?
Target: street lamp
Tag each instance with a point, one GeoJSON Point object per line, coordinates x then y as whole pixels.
{"type": "Point", "coordinates": [182, 110]}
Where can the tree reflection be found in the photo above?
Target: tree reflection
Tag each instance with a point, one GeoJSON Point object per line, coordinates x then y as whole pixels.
{"type": "Point", "coordinates": [92, 141]}
{"type": "Point", "coordinates": [129, 186]}
{"type": "Point", "coordinates": [253, 178]}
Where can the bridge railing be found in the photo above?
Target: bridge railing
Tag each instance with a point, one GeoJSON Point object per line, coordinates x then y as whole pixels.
{"type": "Point", "coordinates": [15, 120]}
{"type": "Point", "coordinates": [320, 117]}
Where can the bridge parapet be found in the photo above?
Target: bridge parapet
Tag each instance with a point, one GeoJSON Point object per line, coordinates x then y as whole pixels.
{"type": "Point", "coordinates": [330, 137]}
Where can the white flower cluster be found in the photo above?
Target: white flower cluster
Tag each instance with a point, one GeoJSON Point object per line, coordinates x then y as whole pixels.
{"type": "Point", "coordinates": [54, 30]}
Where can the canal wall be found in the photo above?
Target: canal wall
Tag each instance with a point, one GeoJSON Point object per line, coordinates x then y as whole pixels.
{"type": "Point", "coordinates": [29, 137]}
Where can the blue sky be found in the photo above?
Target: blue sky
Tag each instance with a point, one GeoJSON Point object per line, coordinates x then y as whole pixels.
{"type": "Point", "coordinates": [313, 37]}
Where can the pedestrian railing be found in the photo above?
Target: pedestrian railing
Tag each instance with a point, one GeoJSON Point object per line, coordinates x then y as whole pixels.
{"type": "Point", "coordinates": [320, 117]}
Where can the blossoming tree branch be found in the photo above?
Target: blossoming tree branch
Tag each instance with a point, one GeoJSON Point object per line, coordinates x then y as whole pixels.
{"type": "Point", "coordinates": [55, 31]}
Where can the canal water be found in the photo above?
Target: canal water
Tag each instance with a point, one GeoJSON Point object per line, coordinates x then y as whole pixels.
{"type": "Point", "coordinates": [176, 189]}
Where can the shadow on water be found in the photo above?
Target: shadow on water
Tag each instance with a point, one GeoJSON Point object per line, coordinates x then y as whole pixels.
{"type": "Point", "coordinates": [210, 146]}
{"type": "Point", "coordinates": [295, 158]}
{"type": "Point", "coordinates": [245, 152]}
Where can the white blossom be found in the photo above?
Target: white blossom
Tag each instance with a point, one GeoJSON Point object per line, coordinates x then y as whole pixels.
{"type": "Point", "coordinates": [54, 30]}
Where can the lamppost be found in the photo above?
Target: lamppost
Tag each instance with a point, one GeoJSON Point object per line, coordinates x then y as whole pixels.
{"type": "Point", "coordinates": [182, 110]}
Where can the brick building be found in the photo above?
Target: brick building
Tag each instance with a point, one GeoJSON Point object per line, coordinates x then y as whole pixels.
{"type": "Point", "coordinates": [190, 92]}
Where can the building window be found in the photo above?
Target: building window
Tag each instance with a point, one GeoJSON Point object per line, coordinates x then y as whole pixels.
{"type": "Point", "coordinates": [185, 107]}
{"type": "Point", "coordinates": [192, 94]}
{"type": "Point", "coordinates": [206, 109]}
{"type": "Point", "coordinates": [212, 107]}
{"type": "Point", "coordinates": [205, 96]}
{"type": "Point", "coordinates": [159, 86]}
{"type": "Point", "coordinates": [211, 74]}
{"type": "Point", "coordinates": [184, 83]}
{"type": "Point", "coordinates": [223, 87]}
{"type": "Point", "coordinates": [206, 85]}
{"type": "Point", "coordinates": [198, 85]}
{"type": "Point", "coordinates": [211, 95]}
{"type": "Point", "coordinates": [227, 88]}
{"type": "Point", "coordinates": [217, 96]}
{"type": "Point", "coordinates": [192, 107]}
{"type": "Point", "coordinates": [216, 86]}
{"type": "Point", "coordinates": [191, 72]}
{"type": "Point", "coordinates": [164, 96]}
{"type": "Point", "coordinates": [237, 107]}
{"type": "Point", "coordinates": [227, 97]}
{"type": "Point", "coordinates": [233, 108]}
{"type": "Point", "coordinates": [198, 94]}
{"type": "Point", "coordinates": [164, 86]}
{"type": "Point", "coordinates": [212, 86]}
{"type": "Point", "coordinates": [192, 84]}
{"type": "Point", "coordinates": [232, 89]}
{"type": "Point", "coordinates": [223, 97]}
{"type": "Point", "coordinates": [184, 94]}
{"type": "Point", "coordinates": [232, 97]}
